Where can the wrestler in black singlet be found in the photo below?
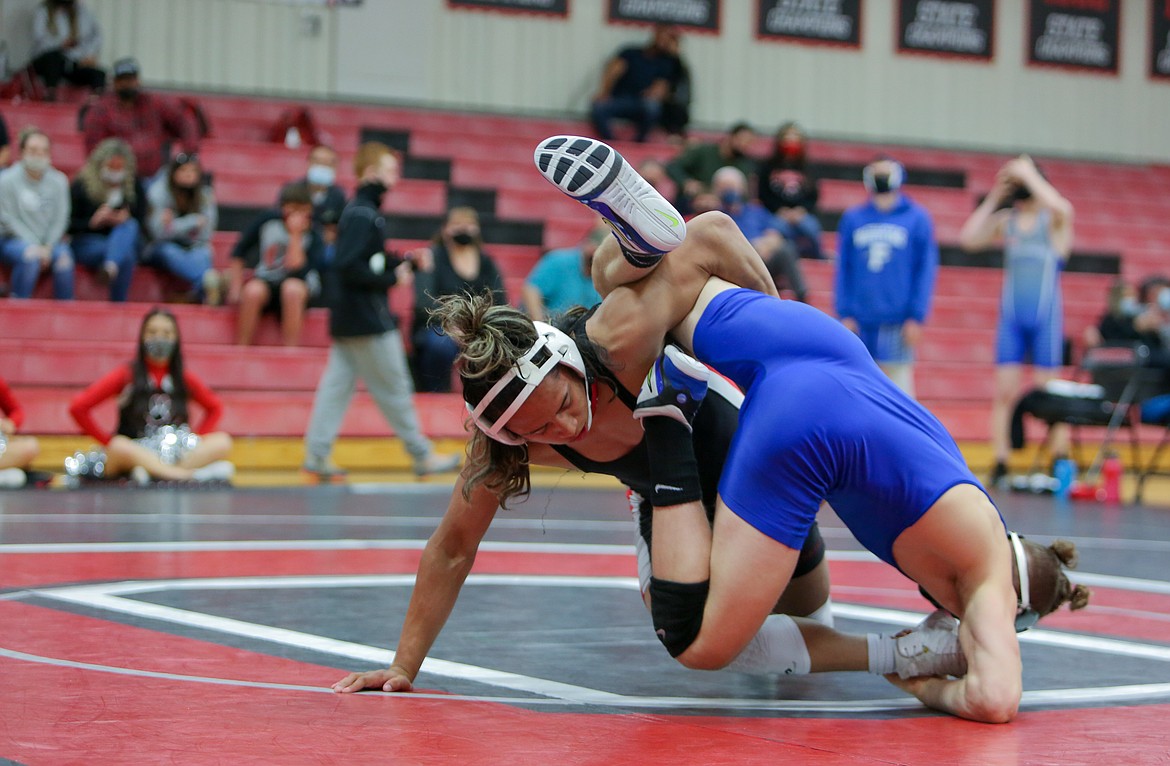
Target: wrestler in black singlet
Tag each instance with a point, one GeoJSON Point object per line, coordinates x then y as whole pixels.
{"type": "Point", "coordinates": [714, 426]}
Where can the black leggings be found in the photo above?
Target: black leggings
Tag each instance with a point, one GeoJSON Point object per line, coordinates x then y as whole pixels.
{"type": "Point", "coordinates": [54, 66]}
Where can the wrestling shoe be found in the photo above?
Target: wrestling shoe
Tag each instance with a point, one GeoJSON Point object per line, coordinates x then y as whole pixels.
{"type": "Point", "coordinates": [930, 648]}
{"type": "Point", "coordinates": [594, 174]}
{"type": "Point", "coordinates": [674, 388]}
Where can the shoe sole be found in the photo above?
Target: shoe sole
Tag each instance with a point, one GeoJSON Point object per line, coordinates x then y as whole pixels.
{"type": "Point", "coordinates": [324, 478]}
{"type": "Point", "coordinates": [594, 174]}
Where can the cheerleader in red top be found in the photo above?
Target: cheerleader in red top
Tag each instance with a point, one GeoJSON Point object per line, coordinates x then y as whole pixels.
{"type": "Point", "coordinates": [16, 452]}
{"type": "Point", "coordinates": [154, 439]}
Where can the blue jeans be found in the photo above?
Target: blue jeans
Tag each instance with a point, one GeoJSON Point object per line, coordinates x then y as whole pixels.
{"type": "Point", "coordinates": [434, 355]}
{"type": "Point", "coordinates": [805, 235]}
{"type": "Point", "coordinates": [187, 265]}
{"type": "Point", "coordinates": [645, 113]}
{"type": "Point", "coordinates": [25, 273]}
{"type": "Point", "coordinates": [119, 246]}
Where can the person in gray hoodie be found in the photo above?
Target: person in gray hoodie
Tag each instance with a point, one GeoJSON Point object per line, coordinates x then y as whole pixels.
{"type": "Point", "coordinates": [34, 215]}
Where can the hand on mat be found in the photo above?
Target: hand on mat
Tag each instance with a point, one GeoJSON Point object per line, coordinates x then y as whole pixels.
{"type": "Point", "coordinates": [391, 680]}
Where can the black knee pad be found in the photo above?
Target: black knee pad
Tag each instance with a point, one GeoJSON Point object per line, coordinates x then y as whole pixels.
{"type": "Point", "coordinates": [812, 553]}
{"type": "Point", "coordinates": [677, 609]}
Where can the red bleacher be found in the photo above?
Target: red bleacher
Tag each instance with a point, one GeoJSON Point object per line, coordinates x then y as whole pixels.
{"type": "Point", "coordinates": [268, 388]}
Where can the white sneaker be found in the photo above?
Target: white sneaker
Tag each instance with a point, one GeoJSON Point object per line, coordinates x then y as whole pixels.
{"type": "Point", "coordinates": [220, 470]}
{"type": "Point", "coordinates": [594, 174]}
{"type": "Point", "coordinates": [12, 478]}
{"type": "Point", "coordinates": [930, 648]}
{"type": "Point", "coordinates": [140, 476]}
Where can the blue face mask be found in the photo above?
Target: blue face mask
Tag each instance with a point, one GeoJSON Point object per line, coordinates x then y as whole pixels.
{"type": "Point", "coordinates": [1130, 307]}
{"type": "Point", "coordinates": [320, 175]}
{"type": "Point", "coordinates": [1164, 300]}
{"type": "Point", "coordinates": [730, 198]}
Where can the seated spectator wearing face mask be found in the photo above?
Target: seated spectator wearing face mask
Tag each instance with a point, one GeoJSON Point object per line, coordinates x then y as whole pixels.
{"type": "Point", "coordinates": [328, 198]}
{"type": "Point", "coordinates": [1119, 322]}
{"type": "Point", "coordinates": [34, 216]}
{"type": "Point", "coordinates": [788, 189]}
{"type": "Point", "coordinates": [288, 254]}
{"type": "Point", "coordinates": [183, 216]}
{"type": "Point", "coordinates": [149, 123]}
{"type": "Point", "coordinates": [157, 435]}
{"type": "Point", "coordinates": [693, 170]}
{"type": "Point", "coordinates": [761, 228]}
{"type": "Point", "coordinates": [459, 265]}
{"type": "Point", "coordinates": [109, 206]}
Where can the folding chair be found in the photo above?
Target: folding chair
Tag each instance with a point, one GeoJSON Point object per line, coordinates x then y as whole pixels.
{"type": "Point", "coordinates": [1123, 379]}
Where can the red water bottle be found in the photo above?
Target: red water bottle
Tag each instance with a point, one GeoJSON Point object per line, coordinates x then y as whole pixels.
{"type": "Point", "coordinates": [1111, 478]}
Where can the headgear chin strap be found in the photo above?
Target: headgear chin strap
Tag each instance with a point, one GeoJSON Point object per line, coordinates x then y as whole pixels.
{"type": "Point", "coordinates": [1026, 616]}
{"type": "Point", "coordinates": [561, 350]}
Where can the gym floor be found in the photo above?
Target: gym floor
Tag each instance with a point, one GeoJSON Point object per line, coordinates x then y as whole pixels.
{"type": "Point", "coordinates": [205, 626]}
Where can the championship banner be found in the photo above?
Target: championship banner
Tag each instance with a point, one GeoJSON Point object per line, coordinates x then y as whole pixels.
{"type": "Point", "coordinates": [1160, 38]}
{"type": "Point", "coordinates": [543, 7]}
{"type": "Point", "coordinates": [947, 27]}
{"type": "Point", "coordinates": [690, 14]}
{"type": "Point", "coordinates": [835, 22]}
{"type": "Point", "coordinates": [1080, 34]}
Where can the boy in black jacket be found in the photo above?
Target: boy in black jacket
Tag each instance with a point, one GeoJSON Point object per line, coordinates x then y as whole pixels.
{"type": "Point", "coordinates": [366, 340]}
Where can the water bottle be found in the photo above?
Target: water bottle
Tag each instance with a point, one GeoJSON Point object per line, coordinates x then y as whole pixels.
{"type": "Point", "coordinates": [1065, 471]}
{"type": "Point", "coordinates": [1111, 478]}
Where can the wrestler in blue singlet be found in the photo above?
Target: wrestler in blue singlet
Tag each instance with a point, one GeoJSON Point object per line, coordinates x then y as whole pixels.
{"type": "Point", "coordinates": [821, 420]}
{"type": "Point", "coordinates": [1030, 321]}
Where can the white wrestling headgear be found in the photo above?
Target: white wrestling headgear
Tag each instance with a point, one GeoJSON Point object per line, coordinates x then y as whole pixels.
{"type": "Point", "coordinates": [561, 350]}
{"type": "Point", "coordinates": [1026, 614]}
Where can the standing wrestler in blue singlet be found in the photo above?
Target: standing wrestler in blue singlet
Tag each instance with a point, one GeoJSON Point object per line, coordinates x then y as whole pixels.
{"type": "Point", "coordinates": [1036, 231]}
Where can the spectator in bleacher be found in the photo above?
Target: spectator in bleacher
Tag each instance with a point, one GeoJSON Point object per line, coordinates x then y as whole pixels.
{"type": "Point", "coordinates": [1124, 320]}
{"type": "Point", "coordinates": [288, 253]}
{"type": "Point", "coordinates": [66, 42]}
{"type": "Point", "coordinates": [788, 189]}
{"type": "Point", "coordinates": [761, 228]}
{"type": "Point", "coordinates": [34, 216]}
{"type": "Point", "coordinates": [1033, 221]}
{"type": "Point", "coordinates": [328, 201]}
{"type": "Point", "coordinates": [563, 278]}
{"type": "Point", "coordinates": [366, 341]}
{"type": "Point", "coordinates": [149, 123]}
{"type": "Point", "coordinates": [108, 208]}
{"type": "Point", "coordinates": [887, 261]}
{"type": "Point", "coordinates": [639, 82]}
{"type": "Point", "coordinates": [328, 198]}
{"type": "Point", "coordinates": [693, 170]}
{"type": "Point", "coordinates": [153, 438]}
{"type": "Point", "coordinates": [16, 450]}
{"type": "Point", "coordinates": [181, 218]}
{"type": "Point", "coordinates": [458, 265]}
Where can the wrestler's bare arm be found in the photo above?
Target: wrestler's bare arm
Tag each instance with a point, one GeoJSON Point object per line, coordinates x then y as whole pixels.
{"type": "Point", "coordinates": [445, 564]}
{"type": "Point", "coordinates": [991, 690]}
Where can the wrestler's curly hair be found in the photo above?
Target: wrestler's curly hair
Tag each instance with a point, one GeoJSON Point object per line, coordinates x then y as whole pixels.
{"type": "Point", "coordinates": [1049, 587]}
{"type": "Point", "coordinates": [491, 338]}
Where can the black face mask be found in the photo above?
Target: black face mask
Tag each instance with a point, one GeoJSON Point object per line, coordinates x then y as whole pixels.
{"type": "Point", "coordinates": [881, 183]}
{"type": "Point", "coordinates": [462, 238]}
{"type": "Point", "coordinates": [127, 94]}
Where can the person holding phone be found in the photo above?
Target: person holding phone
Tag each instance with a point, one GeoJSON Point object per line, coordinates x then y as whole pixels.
{"type": "Point", "coordinates": [107, 212]}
